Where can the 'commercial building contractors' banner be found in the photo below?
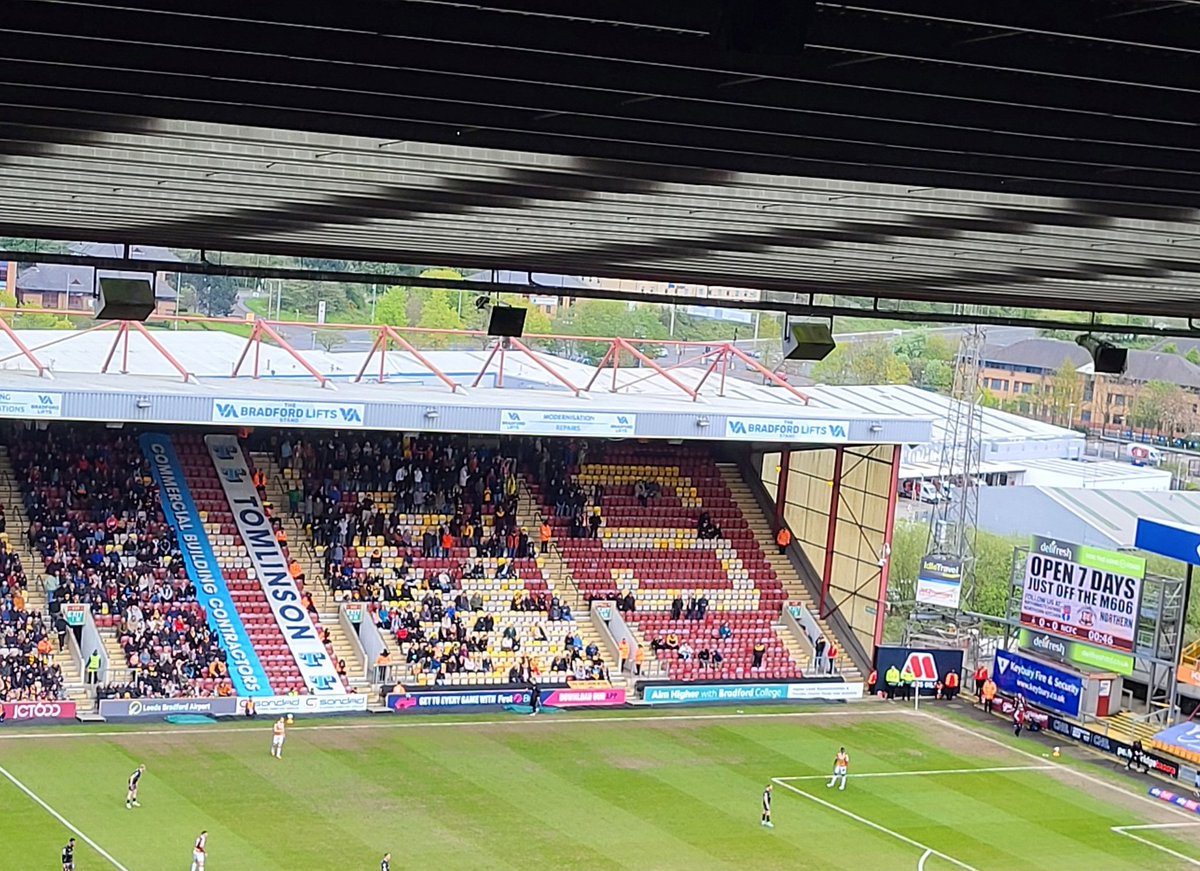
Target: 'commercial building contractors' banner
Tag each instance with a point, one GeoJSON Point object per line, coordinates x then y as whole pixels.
{"type": "Point", "coordinates": [245, 670]}
{"type": "Point", "coordinates": [315, 664]}
{"type": "Point", "coordinates": [1081, 592]}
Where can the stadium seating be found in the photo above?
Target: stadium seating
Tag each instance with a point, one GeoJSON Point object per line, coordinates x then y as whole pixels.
{"type": "Point", "coordinates": [252, 606]}
{"type": "Point", "coordinates": [27, 670]}
{"type": "Point", "coordinates": [650, 545]}
{"type": "Point", "coordinates": [388, 541]}
{"type": "Point", "coordinates": [96, 523]}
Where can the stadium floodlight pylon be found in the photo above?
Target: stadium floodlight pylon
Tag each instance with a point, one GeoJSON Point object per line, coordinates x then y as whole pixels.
{"type": "Point", "coordinates": [954, 523]}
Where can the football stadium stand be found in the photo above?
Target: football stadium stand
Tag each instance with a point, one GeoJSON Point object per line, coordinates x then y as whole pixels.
{"type": "Point", "coordinates": [97, 529]}
{"type": "Point", "coordinates": [655, 527]}
{"type": "Point", "coordinates": [426, 531]}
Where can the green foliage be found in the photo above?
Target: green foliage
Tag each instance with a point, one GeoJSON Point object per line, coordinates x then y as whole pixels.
{"type": "Point", "coordinates": [1163, 406]}
{"type": "Point", "coordinates": [1170, 348]}
{"type": "Point", "coordinates": [612, 319]}
{"type": "Point", "coordinates": [993, 567]}
{"type": "Point", "coordinates": [392, 307]}
{"type": "Point", "coordinates": [212, 295]}
{"type": "Point", "coordinates": [863, 363]}
{"type": "Point", "coordinates": [438, 313]}
{"type": "Point", "coordinates": [1193, 356]}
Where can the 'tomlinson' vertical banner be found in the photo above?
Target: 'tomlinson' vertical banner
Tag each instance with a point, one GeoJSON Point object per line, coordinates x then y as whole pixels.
{"type": "Point", "coordinates": [314, 662]}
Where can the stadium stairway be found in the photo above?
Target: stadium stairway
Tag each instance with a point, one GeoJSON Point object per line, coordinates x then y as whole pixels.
{"type": "Point", "coordinates": [795, 587]}
{"type": "Point", "coordinates": [300, 549]}
{"type": "Point", "coordinates": [15, 535]}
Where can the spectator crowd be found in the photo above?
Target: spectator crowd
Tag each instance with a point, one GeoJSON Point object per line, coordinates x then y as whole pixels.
{"type": "Point", "coordinates": [97, 526]}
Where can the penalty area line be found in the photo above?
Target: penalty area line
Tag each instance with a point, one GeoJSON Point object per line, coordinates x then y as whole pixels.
{"type": "Point", "coordinates": [75, 830]}
{"type": "Point", "coordinates": [927, 851]}
{"type": "Point", "coordinates": [1125, 832]}
{"type": "Point", "coordinates": [863, 774]}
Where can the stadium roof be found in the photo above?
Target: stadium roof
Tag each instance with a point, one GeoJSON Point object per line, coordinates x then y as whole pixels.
{"type": "Point", "coordinates": [1099, 517]}
{"type": "Point", "coordinates": [1037, 154]}
{"type": "Point", "coordinates": [1000, 431]}
{"type": "Point", "coordinates": [455, 391]}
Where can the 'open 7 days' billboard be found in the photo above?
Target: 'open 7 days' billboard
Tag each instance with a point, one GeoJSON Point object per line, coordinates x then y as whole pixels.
{"type": "Point", "coordinates": [1082, 592]}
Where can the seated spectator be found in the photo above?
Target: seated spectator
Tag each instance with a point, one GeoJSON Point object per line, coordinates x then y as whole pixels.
{"type": "Point", "coordinates": [685, 651]}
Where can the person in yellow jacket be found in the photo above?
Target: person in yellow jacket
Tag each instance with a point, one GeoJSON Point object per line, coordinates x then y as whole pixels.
{"type": "Point", "coordinates": [623, 654]}
{"type": "Point", "coordinates": [988, 694]}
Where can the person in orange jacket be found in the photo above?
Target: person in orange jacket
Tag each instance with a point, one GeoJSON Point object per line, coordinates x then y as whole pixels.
{"type": "Point", "coordinates": [988, 695]}
{"type": "Point", "coordinates": [783, 538]}
{"type": "Point", "coordinates": [981, 674]}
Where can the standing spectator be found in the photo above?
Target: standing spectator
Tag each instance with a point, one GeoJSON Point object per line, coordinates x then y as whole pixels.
{"type": "Point", "coordinates": [783, 538]}
{"type": "Point", "coordinates": [892, 679]}
{"type": "Point", "coordinates": [676, 607]}
{"type": "Point", "coordinates": [988, 694]}
{"type": "Point", "coordinates": [93, 667]}
{"type": "Point", "coordinates": [819, 647]}
{"type": "Point", "coordinates": [981, 676]}
{"type": "Point", "coordinates": [759, 651]}
{"type": "Point", "coordinates": [622, 654]}
{"type": "Point", "coordinates": [831, 654]}
{"type": "Point", "coordinates": [872, 681]}
{"type": "Point", "coordinates": [639, 657]}
{"type": "Point", "coordinates": [950, 685]}
{"type": "Point", "coordinates": [545, 536]}
{"type": "Point", "coordinates": [907, 681]}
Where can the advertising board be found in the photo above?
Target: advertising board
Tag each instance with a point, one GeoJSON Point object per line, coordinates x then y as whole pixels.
{"type": "Point", "coordinates": [777, 429]}
{"type": "Point", "coordinates": [275, 706]}
{"type": "Point", "coordinates": [281, 413]}
{"type": "Point", "coordinates": [51, 710]}
{"type": "Point", "coordinates": [580, 423]}
{"type": "Point", "coordinates": [118, 709]}
{"type": "Point", "coordinates": [30, 404]}
{"type": "Point", "coordinates": [1083, 655]}
{"type": "Point", "coordinates": [1082, 592]}
{"type": "Point", "coordinates": [1042, 685]}
{"type": "Point", "coordinates": [927, 664]}
{"type": "Point", "coordinates": [1105, 744]}
{"type": "Point", "coordinates": [583, 698]}
{"type": "Point", "coordinates": [939, 581]}
{"type": "Point", "coordinates": [697, 694]}
{"type": "Point", "coordinates": [466, 700]}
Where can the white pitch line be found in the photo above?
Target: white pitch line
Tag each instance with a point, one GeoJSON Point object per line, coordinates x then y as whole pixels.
{"type": "Point", "coordinates": [924, 857]}
{"type": "Point", "coordinates": [1122, 830]}
{"type": "Point", "coordinates": [929, 771]}
{"type": "Point", "coordinates": [1157, 826]}
{"type": "Point", "coordinates": [428, 721]}
{"type": "Point", "coordinates": [874, 825]}
{"type": "Point", "coordinates": [75, 830]}
{"type": "Point", "coordinates": [980, 734]}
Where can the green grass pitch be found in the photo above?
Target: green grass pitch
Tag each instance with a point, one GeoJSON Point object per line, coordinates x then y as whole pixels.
{"type": "Point", "coordinates": [676, 789]}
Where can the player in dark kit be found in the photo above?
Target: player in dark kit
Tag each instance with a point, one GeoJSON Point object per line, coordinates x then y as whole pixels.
{"type": "Point", "coordinates": [131, 799]}
{"type": "Point", "coordinates": [766, 812]}
{"type": "Point", "coordinates": [68, 856]}
{"type": "Point", "coordinates": [386, 863]}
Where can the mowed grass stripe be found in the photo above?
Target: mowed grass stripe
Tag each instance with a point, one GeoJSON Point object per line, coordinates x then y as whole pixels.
{"type": "Point", "coordinates": [655, 794]}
